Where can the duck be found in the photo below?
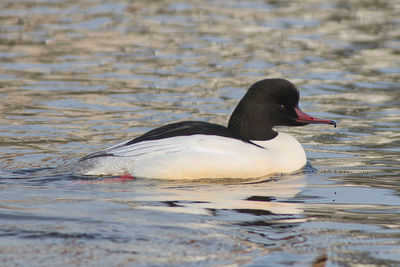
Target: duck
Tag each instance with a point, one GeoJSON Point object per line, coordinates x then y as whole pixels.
{"type": "Point", "coordinates": [248, 147]}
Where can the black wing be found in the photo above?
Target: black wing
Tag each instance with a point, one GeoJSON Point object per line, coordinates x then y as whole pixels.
{"type": "Point", "coordinates": [187, 128]}
{"type": "Point", "coordinates": [183, 128]}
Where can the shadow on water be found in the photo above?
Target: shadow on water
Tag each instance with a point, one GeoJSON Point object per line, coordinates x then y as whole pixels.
{"type": "Point", "coordinates": [37, 176]}
{"type": "Point", "coordinates": [193, 213]}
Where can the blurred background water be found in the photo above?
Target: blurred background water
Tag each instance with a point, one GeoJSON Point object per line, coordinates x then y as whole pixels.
{"type": "Point", "coordinates": [79, 76]}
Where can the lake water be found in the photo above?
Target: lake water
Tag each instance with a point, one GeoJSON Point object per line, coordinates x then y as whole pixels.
{"type": "Point", "coordinates": [79, 76]}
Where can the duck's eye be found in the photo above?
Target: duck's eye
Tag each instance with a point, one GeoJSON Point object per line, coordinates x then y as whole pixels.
{"type": "Point", "coordinates": [282, 107]}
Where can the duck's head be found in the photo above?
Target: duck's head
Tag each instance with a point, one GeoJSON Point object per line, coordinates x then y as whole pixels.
{"type": "Point", "coordinates": [269, 103]}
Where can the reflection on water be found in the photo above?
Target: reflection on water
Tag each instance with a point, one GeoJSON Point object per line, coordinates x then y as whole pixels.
{"type": "Point", "coordinates": [248, 197]}
{"type": "Point", "coordinates": [76, 77]}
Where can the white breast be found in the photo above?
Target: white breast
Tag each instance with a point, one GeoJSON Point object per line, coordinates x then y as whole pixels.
{"type": "Point", "coordinates": [288, 154]}
{"type": "Point", "coordinates": [202, 156]}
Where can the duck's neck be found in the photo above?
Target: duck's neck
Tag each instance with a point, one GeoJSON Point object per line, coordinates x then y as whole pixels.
{"type": "Point", "coordinates": [251, 126]}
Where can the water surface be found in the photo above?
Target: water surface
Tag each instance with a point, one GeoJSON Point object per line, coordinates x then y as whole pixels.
{"type": "Point", "coordinates": [78, 76]}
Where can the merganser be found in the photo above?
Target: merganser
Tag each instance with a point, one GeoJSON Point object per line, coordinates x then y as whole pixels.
{"type": "Point", "coordinates": [248, 148]}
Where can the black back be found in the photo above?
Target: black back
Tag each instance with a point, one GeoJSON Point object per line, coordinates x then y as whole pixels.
{"type": "Point", "coordinates": [185, 128]}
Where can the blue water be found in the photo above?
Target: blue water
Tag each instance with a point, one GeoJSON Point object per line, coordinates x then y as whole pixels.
{"type": "Point", "coordinates": [77, 77]}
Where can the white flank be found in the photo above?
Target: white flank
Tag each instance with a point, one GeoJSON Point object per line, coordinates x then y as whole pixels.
{"type": "Point", "coordinates": [202, 156]}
